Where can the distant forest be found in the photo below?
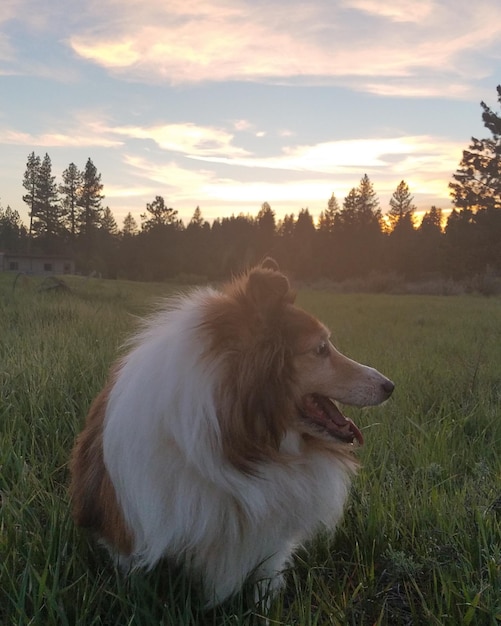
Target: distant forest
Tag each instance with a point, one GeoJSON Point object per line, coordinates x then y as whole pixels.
{"type": "Point", "coordinates": [350, 240]}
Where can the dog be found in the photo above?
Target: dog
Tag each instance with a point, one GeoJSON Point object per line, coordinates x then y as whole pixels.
{"type": "Point", "coordinates": [217, 443]}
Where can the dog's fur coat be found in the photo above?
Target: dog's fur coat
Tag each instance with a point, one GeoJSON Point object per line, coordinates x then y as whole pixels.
{"type": "Point", "coordinates": [215, 443]}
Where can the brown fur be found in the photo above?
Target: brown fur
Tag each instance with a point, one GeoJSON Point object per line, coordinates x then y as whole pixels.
{"type": "Point", "coordinates": [257, 395]}
{"type": "Point", "coordinates": [94, 502]}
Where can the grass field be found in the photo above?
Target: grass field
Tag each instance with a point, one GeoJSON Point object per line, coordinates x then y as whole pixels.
{"type": "Point", "coordinates": [421, 540]}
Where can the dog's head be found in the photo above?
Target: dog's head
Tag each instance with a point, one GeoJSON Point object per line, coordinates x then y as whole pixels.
{"type": "Point", "coordinates": [280, 371]}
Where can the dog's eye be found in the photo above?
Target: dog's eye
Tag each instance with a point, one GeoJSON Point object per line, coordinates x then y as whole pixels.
{"type": "Point", "coordinates": [322, 349]}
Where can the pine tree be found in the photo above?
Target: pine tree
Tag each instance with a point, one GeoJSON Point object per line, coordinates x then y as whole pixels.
{"type": "Point", "coordinates": [108, 222]}
{"type": "Point", "coordinates": [12, 230]}
{"type": "Point", "coordinates": [478, 178]}
{"type": "Point", "coordinates": [430, 238]}
{"type": "Point", "coordinates": [31, 184]}
{"type": "Point", "coordinates": [328, 218]}
{"type": "Point", "coordinates": [432, 221]}
{"type": "Point", "coordinates": [129, 228]}
{"type": "Point", "coordinates": [197, 221]}
{"type": "Point", "coordinates": [368, 211]}
{"type": "Point", "coordinates": [359, 231]}
{"type": "Point", "coordinates": [361, 208]}
{"type": "Point", "coordinates": [286, 225]}
{"type": "Point", "coordinates": [47, 222]}
{"type": "Point", "coordinates": [160, 215]}
{"type": "Point", "coordinates": [265, 230]}
{"type": "Point", "coordinates": [70, 191]}
{"type": "Point", "coordinates": [89, 200]}
{"type": "Point", "coordinates": [401, 206]}
{"type": "Point", "coordinates": [348, 214]}
{"type": "Point", "coordinates": [304, 262]}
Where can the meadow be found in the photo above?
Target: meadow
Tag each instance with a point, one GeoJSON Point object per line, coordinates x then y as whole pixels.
{"type": "Point", "coordinates": [420, 542]}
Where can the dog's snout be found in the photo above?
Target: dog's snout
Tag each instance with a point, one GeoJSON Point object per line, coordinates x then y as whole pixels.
{"type": "Point", "coordinates": [388, 387]}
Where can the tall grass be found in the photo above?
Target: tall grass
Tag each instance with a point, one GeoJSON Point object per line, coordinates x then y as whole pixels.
{"type": "Point", "coordinates": [420, 542]}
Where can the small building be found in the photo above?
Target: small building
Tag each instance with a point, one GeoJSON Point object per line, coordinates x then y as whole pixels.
{"type": "Point", "coordinates": [36, 263]}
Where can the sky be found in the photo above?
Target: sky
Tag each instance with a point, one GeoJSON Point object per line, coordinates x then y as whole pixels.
{"type": "Point", "coordinates": [227, 104]}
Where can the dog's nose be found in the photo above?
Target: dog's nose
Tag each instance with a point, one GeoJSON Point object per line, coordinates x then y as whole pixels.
{"type": "Point", "coordinates": [388, 387]}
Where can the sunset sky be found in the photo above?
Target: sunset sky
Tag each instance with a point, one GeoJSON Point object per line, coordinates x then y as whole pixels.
{"type": "Point", "coordinates": [226, 104]}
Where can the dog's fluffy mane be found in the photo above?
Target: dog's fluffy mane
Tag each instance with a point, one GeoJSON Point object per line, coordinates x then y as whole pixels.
{"type": "Point", "coordinates": [195, 449]}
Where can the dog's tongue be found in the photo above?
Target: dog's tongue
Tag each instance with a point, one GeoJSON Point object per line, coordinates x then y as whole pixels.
{"type": "Point", "coordinates": [324, 412]}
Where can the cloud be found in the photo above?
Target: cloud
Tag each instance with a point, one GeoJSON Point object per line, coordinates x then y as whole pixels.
{"type": "Point", "coordinates": [401, 11]}
{"type": "Point", "coordinates": [175, 181]}
{"type": "Point", "coordinates": [83, 130]}
{"type": "Point", "coordinates": [309, 175]}
{"type": "Point", "coordinates": [186, 42]}
{"type": "Point", "coordinates": [394, 155]}
{"type": "Point", "coordinates": [189, 138]}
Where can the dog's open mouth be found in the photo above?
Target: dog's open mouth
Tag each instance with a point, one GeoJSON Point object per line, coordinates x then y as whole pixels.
{"type": "Point", "coordinates": [325, 415]}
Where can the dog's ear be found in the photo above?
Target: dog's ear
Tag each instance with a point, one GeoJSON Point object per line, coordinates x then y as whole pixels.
{"type": "Point", "coordinates": [268, 289]}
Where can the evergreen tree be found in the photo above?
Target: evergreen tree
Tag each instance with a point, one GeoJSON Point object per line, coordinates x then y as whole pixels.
{"type": "Point", "coordinates": [70, 190]}
{"type": "Point", "coordinates": [265, 231]}
{"type": "Point", "coordinates": [47, 223]}
{"type": "Point", "coordinates": [89, 200]}
{"type": "Point", "coordinates": [432, 221]}
{"type": "Point", "coordinates": [31, 184]}
{"type": "Point", "coordinates": [197, 221]}
{"type": "Point", "coordinates": [401, 207]}
{"type": "Point", "coordinates": [286, 225]}
{"type": "Point", "coordinates": [348, 214]}
{"type": "Point", "coordinates": [198, 259]}
{"type": "Point", "coordinates": [478, 179]}
{"type": "Point", "coordinates": [304, 257]}
{"type": "Point", "coordinates": [460, 257]}
{"type": "Point", "coordinates": [159, 215]}
{"type": "Point", "coordinates": [361, 208]}
{"type": "Point", "coordinates": [108, 222]}
{"type": "Point", "coordinates": [129, 228]}
{"type": "Point", "coordinates": [12, 231]}
{"type": "Point", "coordinates": [402, 244]}
{"type": "Point", "coordinates": [360, 231]}
{"type": "Point", "coordinates": [328, 218]}
{"type": "Point", "coordinates": [368, 211]}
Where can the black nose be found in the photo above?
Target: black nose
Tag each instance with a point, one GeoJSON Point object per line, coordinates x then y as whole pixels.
{"type": "Point", "coordinates": [388, 387]}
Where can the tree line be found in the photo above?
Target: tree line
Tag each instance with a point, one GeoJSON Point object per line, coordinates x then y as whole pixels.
{"type": "Point", "coordinates": [351, 239]}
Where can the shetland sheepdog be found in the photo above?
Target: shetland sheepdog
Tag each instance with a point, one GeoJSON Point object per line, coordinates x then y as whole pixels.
{"type": "Point", "coordinates": [217, 442]}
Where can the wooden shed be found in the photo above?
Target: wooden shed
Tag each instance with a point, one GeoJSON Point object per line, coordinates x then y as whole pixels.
{"type": "Point", "coordinates": [36, 263]}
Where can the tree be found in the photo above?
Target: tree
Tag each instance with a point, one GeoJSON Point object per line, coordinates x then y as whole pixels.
{"type": "Point", "coordinates": [304, 259]}
{"type": "Point", "coordinates": [328, 218]}
{"type": "Point", "coordinates": [360, 231]}
{"type": "Point", "coordinates": [430, 241]}
{"type": "Point", "coordinates": [361, 207]}
{"type": "Point", "coordinates": [432, 221]}
{"type": "Point", "coordinates": [265, 231]}
{"type": "Point", "coordinates": [348, 214]}
{"type": "Point", "coordinates": [12, 230]}
{"type": "Point", "coordinates": [401, 207]}
{"type": "Point", "coordinates": [30, 183]}
{"type": "Point", "coordinates": [368, 204]}
{"type": "Point", "coordinates": [476, 224]}
{"type": "Point", "coordinates": [70, 190]}
{"type": "Point", "coordinates": [402, 242]}
{"type": "Point", "coordinates": [160, 215]}
{"type": "Point", "coordinates": [197, 221]}
{"type": "Point", "coordinates": [47, 222]}
{"type": "Point", "coordinates": [89, 200]}
{"type": "Point", "coordinates": [478, 179]}
{"type": "Point", "coordinates": [129, 228]}
{"type": "Point", "coordinates": [327, 236]}
{"type": "Point", "coordinates": [108, 222]}
{"type": "Point", "coordinates": [286, 225]}
{"type": "Point", "coordinates": [459, 248]}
